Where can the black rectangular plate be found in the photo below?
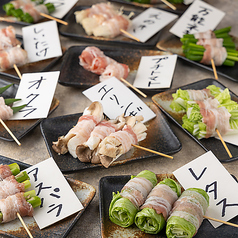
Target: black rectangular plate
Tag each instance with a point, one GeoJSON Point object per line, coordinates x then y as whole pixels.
{"type": "Point", "coordinates": [164, 99]}
{"type": "Point", "coordinates": [73, 74]}
{"type": "Point", "coordinates": [110, 184]}
{"type": "Point", "coordinates": [85, 193]}
{"type": "Point", "coordinates": [19, 128]}
{"type": "Point", "coordinates": [166, 142]}
{"type": "Point", "coordinates": [75, 30]}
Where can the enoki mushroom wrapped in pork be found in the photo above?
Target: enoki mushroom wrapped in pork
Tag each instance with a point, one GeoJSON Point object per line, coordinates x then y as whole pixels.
{"type": "Point", "coordinates": [120, 142]}
{"type": "Point", "coordinates": [80, 133]}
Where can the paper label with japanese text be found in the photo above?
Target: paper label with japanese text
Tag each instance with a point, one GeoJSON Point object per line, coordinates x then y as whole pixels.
{"type": "Point", "coordinates": [117, 99]}
{"type": "Point", "coordinates": [208, 173]}
{"type": "Point", "coordinates": [199, 17]}
{"type": "Point", "coordinates": [41, 41]}
{"type": "Point", "coordinates": [149, 22]}
{"type": "Point", "coordinates": [61, 7]}
{"type": "Point", "coordinates": [155, 71]}
{"type": "Point", "coordinates": [36, 90]}
{"type": "Point", "coordinates": [58, 200]}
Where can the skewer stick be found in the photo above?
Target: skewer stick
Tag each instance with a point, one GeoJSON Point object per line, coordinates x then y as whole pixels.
{"type": "Point", "coordinates": [214, 69]}
{"type": "Point", "coordinates": [6, 20]}
{"type": "Point", "coordinates": [152, 151]}
{"type": "Point", "coordinates": [169, 4]}
{"type": "Point", "coordinates": [130, 35]}
{"type": "Point", "coordinates": [17, 70]}
{"type": "Point", "coordinates": [224, 144]}
{"type": "Point", "coordinates": [53, 18]}
{"type": "Point", "coordinates": [136, 89]}
{"type": "Point", "coordinates": [8, 130]}
{"type": "Point", "coordinates": [225, 222]}
{"type": "Point", "coordinates": [23, 223]}
{"type": "Point", "coordinates": [218, 133]}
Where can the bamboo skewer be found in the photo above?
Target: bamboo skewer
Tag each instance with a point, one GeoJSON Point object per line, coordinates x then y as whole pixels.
{"type": "Point", "coordinates": [224, 222]}
{"type": "Point", "coordinates": [136, 89]}
{"type": "Point", "coordinates": [130, 35]}
{"type": "Point", "coordinates": [17, 70]}
{"type": "Point", "coordinates": [218, 133]}
{"type": "Point", "coordinates": [169, 4]}
{"type": "Point", "coordinates": [152, 151]}
{"type": "Point", "coordinates": [23, 223]}
{"type": "Point", "coordinates": [6, 20]}
{"type": "Point", "coordinates": [53, 18]}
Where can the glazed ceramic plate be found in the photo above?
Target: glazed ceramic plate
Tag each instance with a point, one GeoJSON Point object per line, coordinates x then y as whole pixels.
{"type": "Point", "coordinates": [73, 74]}
{"type": "Point", "coordinates": [75, 30]}
{"type": "Point", "coordinates": [160, 138]}
{"type": "Point", "coordinates": [172, 44]}
{"type": "Point", "coordinates": [164, 99]}
{"type": "Point", "coordinates": [20, 128]}
{"type": "Point", "coordinates": [110, 184]}
{"type": "Point", "coordinates": [83, 191]}
{"type": "Point", "coordinates": [180, 7]}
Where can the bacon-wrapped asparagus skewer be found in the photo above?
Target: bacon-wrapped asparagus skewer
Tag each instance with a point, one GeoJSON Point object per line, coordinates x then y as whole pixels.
{"type": "Point", "coordinates": [8, 170]}
{"type": "Point", "coordinates": [22, 203]}
{"type": "Point", "coordinates": [125, 204]}
{"type": "Point", "coordinates": [155, 211]}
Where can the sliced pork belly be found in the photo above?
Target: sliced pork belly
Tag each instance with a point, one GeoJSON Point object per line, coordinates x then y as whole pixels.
{"type": "Point", "coordinates": [9, 186]}
{"type": "Point", "coordinates": [216, 42]}
{"type": "Point", "coordinates": [136, 190]}
{"type": "Point", "coordinates": [5, 111]}
{"type": "Point", "coordinates": [199, 95]}
{"type": "Point", "coordinates": [8, 38]}
{"type": "Point", "coordinates": [4, 171]}
{"type": "Point", "coordinates": [15, 204]}
{"type": "Point", "coordinates": [161, 199]}
{"type": "Point", "coordinates": [115, 69]}
{"type": "Point", "coordinates": [205, 35]}
{"type": "Point", "coordinates": [15, 55]}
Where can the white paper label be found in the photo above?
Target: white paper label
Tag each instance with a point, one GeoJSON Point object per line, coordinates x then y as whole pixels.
{"type": "Point", "coordinates": [149, 22]}
{"type": "Point", "coordinates": [117, 99]}
{"type": "Point", "coordinates": [199, 17]}
{"type": "Point", "coordinates": [37, 91]}
{"type": "Point", "coordinates": [208, 173]}
{"type": "Point", "coordinates": [155, 71]}
{"type": "Point", "coordinates": [58, 200]}
{"type": "Point", "coordinates": [41, 41]}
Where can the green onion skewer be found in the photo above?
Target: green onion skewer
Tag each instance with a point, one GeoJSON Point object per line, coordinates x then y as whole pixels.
{"type": "Point", "coordinates": [15, 169]}
{"type": "Point", "coordinates": [22, 176]}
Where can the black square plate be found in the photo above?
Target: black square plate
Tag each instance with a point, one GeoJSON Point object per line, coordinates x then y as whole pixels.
{"type": "Point", "coordinates": [110, 184]}
{"type": "Point", "coordinates": [83, 191]}
{"type": "Point", "coordinates": [164, 99]}
{"type": "Point", "coordinates": [160, 138]}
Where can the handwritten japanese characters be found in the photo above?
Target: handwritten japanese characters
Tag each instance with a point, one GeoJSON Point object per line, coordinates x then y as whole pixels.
{"type": "Point", "coordinates": [36, 90]}
{"type": "Point", "coordinates": [117, 99]}
{"type": "Point", "coordinates": [199, 17]}
{"type": "Point", "coordinates": [41, 41]}
{"type": "Point", "coordinates": [155, 71]}
{"type": "Point", "coordinates": [149, 22]}
{"type": "Point", "coordinates": [61, 7]}
{"type": "Point", "coordinates": [57, 198]}
{"type": "Point", "coordinates": [208, 173]}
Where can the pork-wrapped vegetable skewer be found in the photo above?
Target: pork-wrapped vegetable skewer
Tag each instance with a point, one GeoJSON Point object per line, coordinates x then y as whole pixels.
{"type": "Point", "coordinates": [8, 170]}
{"type": "Point", "coordinates": [187, 213]}
{"type": "Point", "coordinates": [125, 204]}
{"type": "Point", "coordinates": [28, 12]}
{"type": "Point", "coordinates": [12, 185]}
{"type": "Point", "coordinates": [155, 211]}
{"type": "Point", "coordinates": [22, 203]}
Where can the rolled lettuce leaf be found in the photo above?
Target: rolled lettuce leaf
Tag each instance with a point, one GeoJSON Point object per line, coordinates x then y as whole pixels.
{"type": "Point", "coordinates": [122, 211]}
{"type": "Point", "coordinates": [181, 222]}
{"type": "Point", "coordinates": [148, 220]}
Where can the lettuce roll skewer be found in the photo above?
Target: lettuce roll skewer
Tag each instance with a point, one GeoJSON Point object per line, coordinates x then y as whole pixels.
{"type": "Point", "coordinates": [125, 204]}
{"type": "Point", "coordinates": [154, 212]}
{"type": "Point", "coordinates": [187, 213]}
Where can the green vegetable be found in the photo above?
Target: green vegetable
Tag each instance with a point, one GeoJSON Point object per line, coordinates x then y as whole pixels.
{"type": "Point", "coordinates": [15, 169]}
{"type": "Point", "coordinates": [148, 220]}
{"type": "Point", "coordinates": [3, 89]}
{"type": "Point", "coordinates": [122, 211]}
{"type": "Point", "coordinates": [22, 176]}
{"type": "Point", "coordinates": [184, 227]}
